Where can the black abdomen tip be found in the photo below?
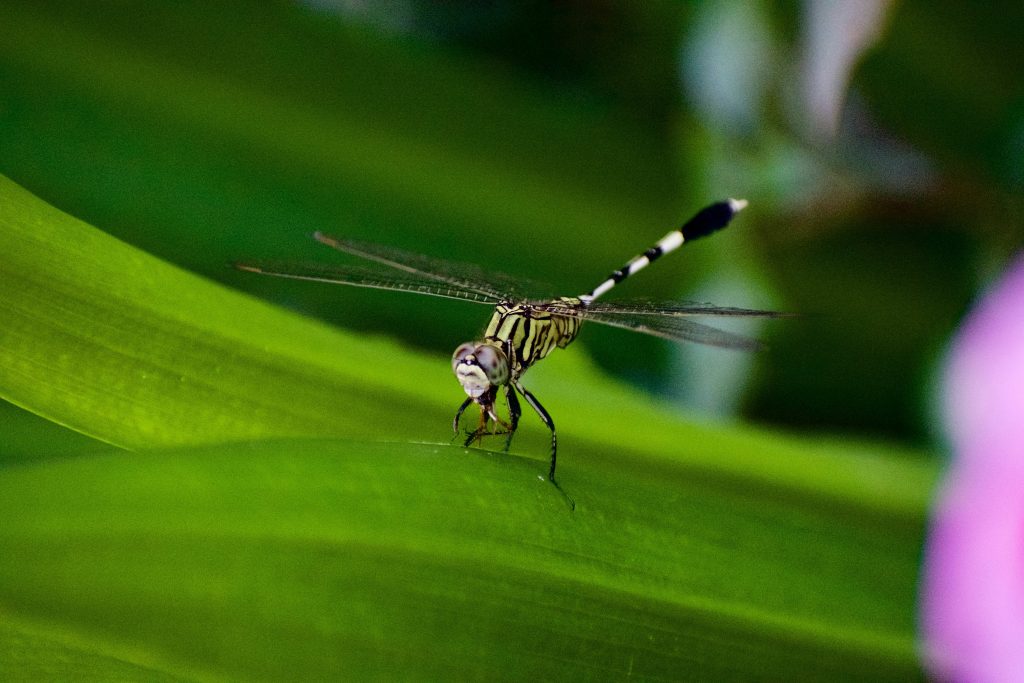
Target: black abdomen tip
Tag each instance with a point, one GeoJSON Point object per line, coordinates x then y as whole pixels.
{"type": "Point", "coordinates": [711, 218]}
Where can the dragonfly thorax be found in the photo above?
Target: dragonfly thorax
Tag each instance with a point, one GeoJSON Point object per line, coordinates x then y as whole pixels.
{"type": "Point", "coordinates": [479, 367]}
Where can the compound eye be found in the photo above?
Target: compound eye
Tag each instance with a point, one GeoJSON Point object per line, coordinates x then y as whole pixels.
{"type": "Point", "coordinates": [461, 353]}
{"type": "Point", "coordinates": [492, 361]}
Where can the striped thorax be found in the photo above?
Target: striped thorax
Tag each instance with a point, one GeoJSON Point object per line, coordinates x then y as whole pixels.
{"type": "Point", "coordinates": [532, 331]}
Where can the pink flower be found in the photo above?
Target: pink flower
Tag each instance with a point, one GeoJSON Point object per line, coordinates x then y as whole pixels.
{"type": "Point", "coordinates": [973, 588]}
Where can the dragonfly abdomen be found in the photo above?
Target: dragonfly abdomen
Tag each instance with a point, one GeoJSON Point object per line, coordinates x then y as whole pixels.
{"type": "Point", "coordinates": [706, 221]}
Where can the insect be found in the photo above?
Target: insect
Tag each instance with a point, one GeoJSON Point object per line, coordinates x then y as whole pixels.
{"type": "Point", "coordinates": [522, 331]}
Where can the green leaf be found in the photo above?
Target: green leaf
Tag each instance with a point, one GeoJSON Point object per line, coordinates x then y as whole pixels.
{"type": "Point", "coordinates": [303, 559]}
{"type": "Point", "coordinates": [377, 549]}
{"type": "Point", "coordinates": [118, 345]}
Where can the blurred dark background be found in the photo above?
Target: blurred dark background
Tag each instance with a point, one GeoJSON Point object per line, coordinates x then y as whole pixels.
{"type": "Point", "coordinates": [881, 147]}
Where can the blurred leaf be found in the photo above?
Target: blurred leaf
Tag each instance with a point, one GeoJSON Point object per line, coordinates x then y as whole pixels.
{"type": "Point", "coordinates": [691, 550]}
{"type": "Point", "coordinates": [361, 133]}
{"type": "Point", "coordinates": [29, 437]}
{"type": "Point", "coordinates": [887, 288]}
{"type": "Point", "coordinates": [965, 103]}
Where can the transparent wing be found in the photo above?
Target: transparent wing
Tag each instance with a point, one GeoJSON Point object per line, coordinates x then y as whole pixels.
{"type": "Point", "coordinates": [410, 272]}
{"type": "Point", "coordinates": [675, 328]}
{"type": "Point", "coordinates": [668, 319]}
{"type": "Point", "coordinates": [676, 309]}
{"type": "Point", "coordinates": [357, 276]}
{"type": "Point", "coordinates": [463, 276]}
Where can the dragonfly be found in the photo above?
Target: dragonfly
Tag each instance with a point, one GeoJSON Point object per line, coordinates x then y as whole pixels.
{"type": "Point", "coordinates": [524, 330]}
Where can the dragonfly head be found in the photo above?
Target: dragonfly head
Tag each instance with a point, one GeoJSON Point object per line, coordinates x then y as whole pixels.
{"type": "Point", "coordinates": [479, 367]}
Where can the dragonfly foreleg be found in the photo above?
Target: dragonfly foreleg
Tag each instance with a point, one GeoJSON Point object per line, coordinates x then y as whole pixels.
{"type": "Point", "coordinates": [458, 415]}
{"type": "Point", "coordinates": [481, 429]}
{"type": "Point", "coordinates": [487, 415]}
{"type": "Point", "coordinates": [514, 411]}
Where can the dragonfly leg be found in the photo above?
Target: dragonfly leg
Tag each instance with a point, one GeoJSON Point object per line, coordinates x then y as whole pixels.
{"type": "Point", "coordinates": [458, 414]}
{"type": "Point", "coordinates": [514, 411]}
{"type": "Point", "coordinates": [487, 415]}
{"type": "Point", "coordinates": [481, 429]}
{"type": "Point", "coordinates": [546, 419]}
{"type": "Point", "coordinates": [506, 428]}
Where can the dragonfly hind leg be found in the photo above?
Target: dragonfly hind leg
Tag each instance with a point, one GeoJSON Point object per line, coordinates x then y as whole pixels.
{"type": "Point", "coordinates": [546, 419]}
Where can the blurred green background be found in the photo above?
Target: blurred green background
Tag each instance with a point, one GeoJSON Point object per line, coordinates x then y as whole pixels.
{"type": "Point", "coordinates": [880, 149]}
